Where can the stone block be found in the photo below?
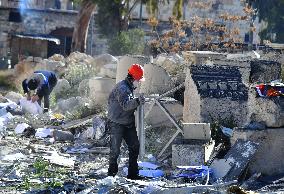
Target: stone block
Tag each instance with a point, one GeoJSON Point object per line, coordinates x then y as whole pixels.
{"type": "Point", "coordinates": [191, 152]}
{"type": "Point", "coordinates": [100, 89]}
{"type": "Point", "coordinates": [157, 80]}
{"type": "Point", "coordinates": [197, 131]}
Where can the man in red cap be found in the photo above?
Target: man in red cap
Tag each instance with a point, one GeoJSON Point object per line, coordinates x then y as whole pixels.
{"type": "Point", "coordinates": [121, 121]}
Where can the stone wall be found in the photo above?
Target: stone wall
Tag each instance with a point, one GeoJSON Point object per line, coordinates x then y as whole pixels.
{"type": "Point", "coordinates": [33, 22]}
{"type": "Point", "coordinates": [220, 89]}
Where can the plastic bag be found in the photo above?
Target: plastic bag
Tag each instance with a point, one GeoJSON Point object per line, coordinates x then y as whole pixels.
{"type": "Point", "coordinates": [30, 107]}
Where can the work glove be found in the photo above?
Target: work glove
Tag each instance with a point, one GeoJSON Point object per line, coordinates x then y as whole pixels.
{"type": "Point", "coordinates": [141, 99]}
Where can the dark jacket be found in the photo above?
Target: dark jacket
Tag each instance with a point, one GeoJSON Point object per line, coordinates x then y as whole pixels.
{"type": "Point", "coordinates": [122, 104]}
{"type": "Point", "coordinates": [46, 79]}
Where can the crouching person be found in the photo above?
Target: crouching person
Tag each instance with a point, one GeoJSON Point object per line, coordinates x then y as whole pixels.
{"type": "Point", "coordinates": [121, 121]}
{"type": "Point", "coordinates": [39, 86]}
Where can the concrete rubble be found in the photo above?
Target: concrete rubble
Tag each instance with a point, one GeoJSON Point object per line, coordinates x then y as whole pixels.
{"type": "Point", "coordinates": [66, 150]}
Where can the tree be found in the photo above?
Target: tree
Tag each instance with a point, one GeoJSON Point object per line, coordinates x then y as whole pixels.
{"type": "Point", "coordinates": [114, 12]}
{"type": "Point", "coordinates": [271, 12]}
{"type": "Point", "coordinates": [80, 33]}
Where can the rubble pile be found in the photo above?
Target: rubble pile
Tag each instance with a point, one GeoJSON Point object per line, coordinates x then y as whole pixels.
{"type": "Point", "coordinates": [66, 150]}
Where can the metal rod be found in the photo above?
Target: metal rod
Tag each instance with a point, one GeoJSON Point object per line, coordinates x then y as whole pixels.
{"type": "Point", "coordinates": [169, 142]}
{"type": "Point", "coordinates": [141, 130]}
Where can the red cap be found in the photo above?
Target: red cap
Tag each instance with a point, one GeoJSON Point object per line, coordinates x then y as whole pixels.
{"type": "Point", "coordinates": [137, 72]}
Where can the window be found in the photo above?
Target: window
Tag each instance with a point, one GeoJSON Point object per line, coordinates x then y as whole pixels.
{"type": "Point", "coordinates": [15, 16]}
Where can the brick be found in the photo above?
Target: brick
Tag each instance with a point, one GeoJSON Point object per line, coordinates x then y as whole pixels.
{"type": "Point", "coordinates": [197, 131]}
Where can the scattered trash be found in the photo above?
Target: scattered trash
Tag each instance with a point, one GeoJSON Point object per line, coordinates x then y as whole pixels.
{"type": "Point", "coordinates": [227, 131]}
{"type": "Point", "coordinates": [30, 107]}
{"type": "Point", "coordinates": [151, 173]}
{"type": "Point", "coordinates": [44, 132]}
{"type": "Point", "coordinates": [12, 157]}
{"type": "Point", "coordinates": [147, 165]}
{"type": "Point", "coordinates": [21, 128]}
{"type": "Point", "coordinates": [55, 158]}
{"type": "Point", "coordinates": [194, 172]}
{"type": "Point", "coordinates": [274, 88]}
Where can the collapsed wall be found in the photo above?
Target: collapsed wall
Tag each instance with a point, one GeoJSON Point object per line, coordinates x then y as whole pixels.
{"type": "Point", "coordinates": [217, 88]}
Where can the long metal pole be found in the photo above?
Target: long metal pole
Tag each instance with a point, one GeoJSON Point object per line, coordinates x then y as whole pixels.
{"type": "Point", "coordinates": [141, 130]}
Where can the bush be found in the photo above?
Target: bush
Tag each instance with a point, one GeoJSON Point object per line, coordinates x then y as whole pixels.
{"type": "Point", "coordinates": [128, 42]}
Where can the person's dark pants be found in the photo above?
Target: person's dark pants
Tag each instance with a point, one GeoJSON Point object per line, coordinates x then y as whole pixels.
{"type": "Point", "coordinates": [129, 134]}
{"type": "Point", "coordinates": [52, 83]}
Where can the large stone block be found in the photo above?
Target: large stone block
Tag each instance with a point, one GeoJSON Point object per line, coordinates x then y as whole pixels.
{"type": "Point", "coordinates": [268, 158]}
{"type": "Point", "coordinates": [197, 131]}
{"type": "Point", "coordinates": [157, 80]}
{"type": "Point", "coordinates": [100, 89]}
{"type": "Point", "coordinates": [191, 152]}
{"type": "Point", "coordinates": [218, 89]}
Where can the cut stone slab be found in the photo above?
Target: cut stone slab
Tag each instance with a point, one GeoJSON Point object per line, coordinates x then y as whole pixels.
{"type": "Point", "coordinates": [239, 156]}
{"type": "Point", "coordinates": [191, 152]}
{"type": "Point", "coordinates": [268, 158]}
{"type": "Point", "coordinates": [157, 80]}
{"type": "Point", "coordinates": [197, 131]}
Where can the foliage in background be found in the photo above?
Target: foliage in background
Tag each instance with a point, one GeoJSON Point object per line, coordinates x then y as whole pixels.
{"type": "Point", "coordinates": [201, 33]}
{"type": "Point", "coordinates": [75, 73]}
{"type": "Point", "coordinates": [271, 12]}
{"type": "Point", "coordinates": [128, 42]}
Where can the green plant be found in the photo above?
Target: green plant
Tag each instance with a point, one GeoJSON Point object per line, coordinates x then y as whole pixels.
{"type": "Point", "coordinates": [40, 166]}
{"type": "Point", "coordinates": [128, 42]}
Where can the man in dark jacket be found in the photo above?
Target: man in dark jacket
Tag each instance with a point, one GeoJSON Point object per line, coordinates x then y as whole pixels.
{"type": "Point", "coordinates": [121, 121]}
{"type": "Point", "coordinates": [39, 86]}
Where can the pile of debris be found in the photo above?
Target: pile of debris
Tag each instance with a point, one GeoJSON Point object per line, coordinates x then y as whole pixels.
{"type": "Point", "coordinates": [66, 150]}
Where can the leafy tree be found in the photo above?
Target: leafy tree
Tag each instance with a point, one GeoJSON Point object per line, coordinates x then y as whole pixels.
{"type": "Point", "coordinates": [127, 42]}
{"type": "Point", "coordinates": [113, 17]}
{"type": "Point", "coordinates": [272, 12]}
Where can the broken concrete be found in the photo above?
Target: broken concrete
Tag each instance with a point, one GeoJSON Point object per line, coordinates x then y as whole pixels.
{"type": "Point", "coordinates": [268, 158]}
{"type": "Point", "coordinates": [70, 105]}
{"type": "Point", "coordinates": [215, 86]}
{"type": "Point", "coordinates": [191, 152]}
{"type": "Point", "coordinates": [108, 70]}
